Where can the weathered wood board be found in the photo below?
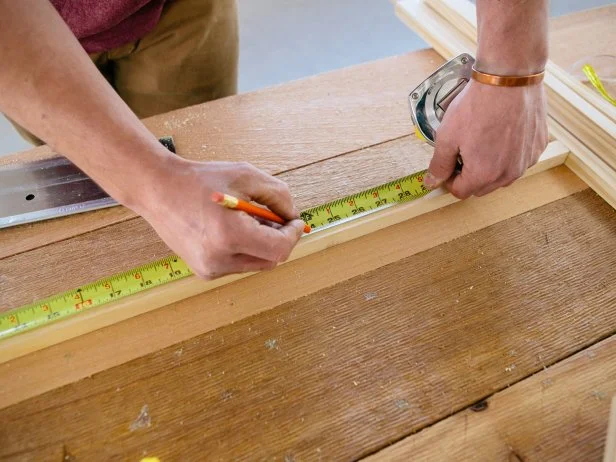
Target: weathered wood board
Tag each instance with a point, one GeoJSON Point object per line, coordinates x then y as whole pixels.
{"type": "Point", "coordinates": [559, 413]}
{"type": "Point", "coordinates": [351, 368]}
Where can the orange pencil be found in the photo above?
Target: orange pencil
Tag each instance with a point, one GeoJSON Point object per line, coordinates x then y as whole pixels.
{"type": "Point", "coordinates": [238, 204]}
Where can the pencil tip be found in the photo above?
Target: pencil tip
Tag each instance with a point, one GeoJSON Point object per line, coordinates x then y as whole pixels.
{"type": "Point", "coordinates": [218, 197]}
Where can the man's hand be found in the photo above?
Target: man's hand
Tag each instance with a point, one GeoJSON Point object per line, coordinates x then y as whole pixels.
{"type": "Point", "coordinates": [214, 240]}
{"type": "Point", "coordinates": [498, 132]}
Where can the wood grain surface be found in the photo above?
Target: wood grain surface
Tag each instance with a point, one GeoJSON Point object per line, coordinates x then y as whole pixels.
{"type": "Point", "coordinates": [345, 371]}
{"type": "Point", "coordinates": [300, 122]}
{"type": "Point", "coordinates": [32, 236]}
{"type": "Point", "coordinates": [559, 413]}
{"type": "Point", "coordinates": [83, 356]}
{"type": "Point", "coordinates": [277, 129]}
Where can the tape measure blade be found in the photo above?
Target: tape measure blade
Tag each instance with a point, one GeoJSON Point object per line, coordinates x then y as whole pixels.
{"type": "Point", "coordinates": [92, 295]}
{"type": "Point", "coordinates": [365, 202]}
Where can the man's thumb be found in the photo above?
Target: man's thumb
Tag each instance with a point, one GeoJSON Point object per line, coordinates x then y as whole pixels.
{"type": "Point", "coordinates": [442, 165]}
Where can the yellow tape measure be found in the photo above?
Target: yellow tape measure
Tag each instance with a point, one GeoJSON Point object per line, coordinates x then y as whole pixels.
{"type": "Point", "coordinates": [92, 295]}
{"type": "Point", "coordinates": [173, 268]}
{"type": "Point", "coordinates": [349, 207]}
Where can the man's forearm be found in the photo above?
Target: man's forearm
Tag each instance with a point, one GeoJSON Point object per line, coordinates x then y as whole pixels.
{"type": "Point", "coordinates": [512, 35]}
{"type": "Point", "coordinates": [49, 85]}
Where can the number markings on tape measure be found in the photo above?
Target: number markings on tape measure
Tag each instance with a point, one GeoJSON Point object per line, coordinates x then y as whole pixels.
{"type": "Point", "coordinates": [92, 295]}
{"type": "Point", "coordinates": [169, 269]}
{"type": "Point", "coordinates": [397, 191]}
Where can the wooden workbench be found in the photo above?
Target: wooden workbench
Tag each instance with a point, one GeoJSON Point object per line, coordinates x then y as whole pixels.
{"type": "Point", "coordinates": [482, 330]}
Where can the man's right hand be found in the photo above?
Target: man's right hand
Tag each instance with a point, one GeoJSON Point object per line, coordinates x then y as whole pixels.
{"type": "Point", "coordinates": [213, 240]}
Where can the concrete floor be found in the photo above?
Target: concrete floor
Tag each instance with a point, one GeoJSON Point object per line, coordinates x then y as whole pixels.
{"type": "Point", "coordinates": [283, 40]}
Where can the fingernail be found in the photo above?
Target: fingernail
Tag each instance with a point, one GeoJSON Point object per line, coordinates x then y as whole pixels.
{"type": "Point", "coordinates": [431, 181]}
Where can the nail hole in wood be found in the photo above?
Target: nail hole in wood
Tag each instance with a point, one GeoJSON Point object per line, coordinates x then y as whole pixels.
{"type": "Point", "coordinates": [479, 406]}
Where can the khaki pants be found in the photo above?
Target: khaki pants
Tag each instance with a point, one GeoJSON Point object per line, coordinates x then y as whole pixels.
{"type": "Point", "coordinates": [189, 58]}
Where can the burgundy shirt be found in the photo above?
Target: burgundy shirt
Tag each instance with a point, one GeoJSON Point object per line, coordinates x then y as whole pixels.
{"type": "Point", "coordinates": [101, 25]}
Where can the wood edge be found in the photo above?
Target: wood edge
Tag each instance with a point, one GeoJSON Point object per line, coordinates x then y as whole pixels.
{"type": "Point", "coordinates": [588, 166]}
{"type": "Point", "coordinates": [89, 321]}
{"type": "Point", "coordinates": [590, 171]}
{"type": "Point", "coordinates": [610, 439]}
{"type": "Point", "coordinates": [462, 13]}
{"type": "Point", "coordinates": [592, 98]}
{"type": "Point", "coordinates": [594, 129]}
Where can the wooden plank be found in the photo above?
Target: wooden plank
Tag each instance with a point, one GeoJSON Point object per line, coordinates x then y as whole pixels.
{"type": "Point", "coordinates": [560, 413]}
{"type": "Point", "coordinates": [585, 164]}
{"type": "Point", "coordinates": [573, 36]}
{"type": "Point", "coordinates": [32, 236]}
{"type": "Point", "coordinates": [351, 368]}
{"type": "Point", "coordinates": [610, 439]}
{"type": "Point", "coordinates": [84, 356]}
{"type": "Point", "coordinates": [276, 129]}
{"type": "Point", "coordinates": [594, 130]}
{"type": "Point", "coordinates": [300, 122]}
{"type": "Point", "coordinates": [109, 245]}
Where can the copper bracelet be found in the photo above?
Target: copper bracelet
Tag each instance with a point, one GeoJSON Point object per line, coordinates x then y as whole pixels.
{"type": "Point", "coordinates": [507, 80]}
